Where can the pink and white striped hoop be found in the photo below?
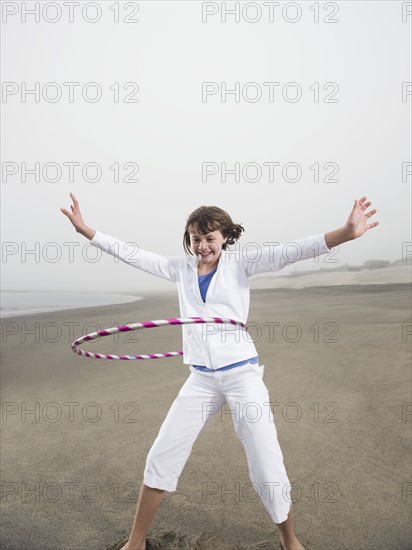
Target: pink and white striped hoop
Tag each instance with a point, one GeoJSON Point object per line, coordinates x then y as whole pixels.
{"type": "Point", "coordinates": [140, 326]}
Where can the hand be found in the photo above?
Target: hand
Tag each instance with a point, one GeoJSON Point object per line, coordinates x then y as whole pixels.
{"type": "Point", "coordinates": [75, 217]}
{"type": "Point", "coordinates": [357, 224]}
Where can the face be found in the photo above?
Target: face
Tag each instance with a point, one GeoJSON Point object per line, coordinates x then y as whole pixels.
{"type": "Point", "coordinates": [206, 248]}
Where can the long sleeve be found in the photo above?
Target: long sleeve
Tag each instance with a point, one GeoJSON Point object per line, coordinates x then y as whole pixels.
{"type": "Point", "coordinates": [276, 257]}
{"type": "Point", "coordinates": [130, 253]}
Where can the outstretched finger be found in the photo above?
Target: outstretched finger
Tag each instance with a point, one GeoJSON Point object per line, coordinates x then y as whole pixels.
{"type": "Point", "coordinates": [371, 213]}
{"type": "Point", "coordinates": [370, 225]}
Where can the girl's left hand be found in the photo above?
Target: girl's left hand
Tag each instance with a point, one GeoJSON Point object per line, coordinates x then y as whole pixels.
{"type": "Point", "coordinates": [357, 222]}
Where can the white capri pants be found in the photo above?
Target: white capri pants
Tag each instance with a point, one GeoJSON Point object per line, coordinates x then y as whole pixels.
{"type": "Point", "coordinates": [200, 397]}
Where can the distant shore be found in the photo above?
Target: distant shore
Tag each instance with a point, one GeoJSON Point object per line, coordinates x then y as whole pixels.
{"type": "Point", "coordinates": [379, 276]}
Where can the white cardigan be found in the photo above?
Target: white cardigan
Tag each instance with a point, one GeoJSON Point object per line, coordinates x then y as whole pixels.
{"type": "Point", "coordinates": [228, 295]}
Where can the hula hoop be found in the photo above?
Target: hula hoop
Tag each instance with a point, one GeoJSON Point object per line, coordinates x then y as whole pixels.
{"type": "Point", "coordinates": [139, 326]}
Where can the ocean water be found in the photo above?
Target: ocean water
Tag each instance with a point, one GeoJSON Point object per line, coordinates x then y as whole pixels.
{"type": "Point", "coordinates": [30, 302]}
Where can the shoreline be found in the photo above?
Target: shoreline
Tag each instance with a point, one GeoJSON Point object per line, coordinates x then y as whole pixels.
{"type": "Point", "coordinates": [40, 310]}
{"type": "Point", "coordinates": [151, 294]}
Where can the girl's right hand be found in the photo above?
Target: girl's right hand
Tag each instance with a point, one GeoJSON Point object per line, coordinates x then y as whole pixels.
{"type": "Point", "coordinates": [75, 217]}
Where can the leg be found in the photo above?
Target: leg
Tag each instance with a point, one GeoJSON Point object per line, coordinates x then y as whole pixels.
{"type": "Point", "coordinates": [194, 407]}
{"type": "Point", "coordinates": [248, 400]}
{"type": "Point", "coordinates": [288, 538]}
{"type": "Point", "coordinates": [149, 501]}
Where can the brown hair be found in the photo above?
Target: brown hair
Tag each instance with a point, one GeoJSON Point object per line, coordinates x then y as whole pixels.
{"type": "Point", "coordinates": [211, 218]}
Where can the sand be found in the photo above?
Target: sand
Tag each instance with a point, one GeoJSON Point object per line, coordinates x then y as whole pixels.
{"type": "Point", "coordinates": [70, 481]}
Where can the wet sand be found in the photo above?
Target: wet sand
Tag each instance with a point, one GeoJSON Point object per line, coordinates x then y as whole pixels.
{"type": "Point", "coordinates": [76, 431]}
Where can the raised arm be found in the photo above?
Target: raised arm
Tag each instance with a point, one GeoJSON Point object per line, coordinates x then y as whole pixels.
{"type": "Point", "coordinates": [130, 253]}
{"type": "Point", "coordinates": [276, 257]}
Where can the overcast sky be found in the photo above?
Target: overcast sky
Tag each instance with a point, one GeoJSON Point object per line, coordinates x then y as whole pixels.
{"type": "Point", "coordinates": [334, 126]}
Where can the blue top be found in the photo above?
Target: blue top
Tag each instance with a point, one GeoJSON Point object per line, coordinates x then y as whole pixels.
{"type": "Point", "coordinates": [204, 282]}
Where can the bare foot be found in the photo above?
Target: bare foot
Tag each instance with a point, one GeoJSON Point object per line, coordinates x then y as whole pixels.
{"type": "Point", "coordinates": [293, 545]}
{"type": "Point", "coordinates": [129, 546]}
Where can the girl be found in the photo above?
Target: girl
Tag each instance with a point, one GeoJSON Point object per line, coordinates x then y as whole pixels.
{"type": "Point", "coordinates": [224, 366]}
